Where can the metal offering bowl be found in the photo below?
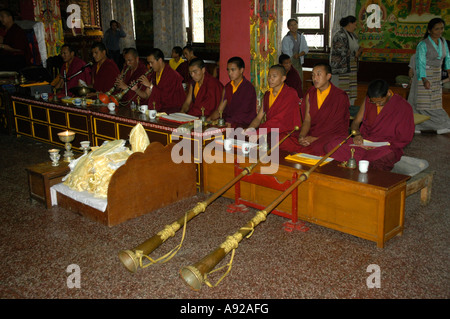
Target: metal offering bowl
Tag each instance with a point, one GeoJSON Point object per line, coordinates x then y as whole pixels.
{"type": "Point", "coordinates": [81, 90]}
{"type": "Point", "coordinates": [66, 137]}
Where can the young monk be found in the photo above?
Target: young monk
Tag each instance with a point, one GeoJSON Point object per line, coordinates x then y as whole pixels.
{"type": "Point", "coordinates": [238, 105]}
{"type": "Point", "coordinates": [383, 117]}
{"type": "Point", "coordinates": [292, 77]}
{"type": "Point", "coordinates": [205, 91]}
{"type": "Point", "coordinates": [281, 108]}
{"type": "Point", "coordinates": [326, 112]}
{"type": "Point", "coordinates": [163, 87]}
{"type": "Point", "coordinates": [104, 71]}
{"type": "Point", "coordinates": [178, 64]}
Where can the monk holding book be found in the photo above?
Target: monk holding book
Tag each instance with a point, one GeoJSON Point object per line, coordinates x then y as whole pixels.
{"type": "Point", "coordinates": [383, 117]}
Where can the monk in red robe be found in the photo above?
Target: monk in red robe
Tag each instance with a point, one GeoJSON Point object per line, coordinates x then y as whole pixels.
{"type": "Point", "coordinates": [292, 77]}
{"type": "Point", "coordinates": [326, 113]}
{"type": "Point", "coordinates": [281, 108]}
{"type": "Point", "coordinates": [164, 90]}
{"type": "Point", "coordinates": [104, 70]}
{"type": "Point", "coordinates": [383, 117]}
{"type": "Point", "coordinates": [178, 64]}
{"type": "Point", "coordinates": [72, 65]}
{"type": "Point", "coordinates": [15, 53]}
{"type": "Point", "coordinates": [137, 68]}
{"type": "Point", "coordinates": [205, 91]}
{"type": "Point", "coordinates": [238, 105]}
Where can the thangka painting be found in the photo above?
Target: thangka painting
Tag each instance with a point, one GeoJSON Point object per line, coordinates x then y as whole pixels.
{"type": "Point", "coordinates": [391, 29]}
{"type": "Point", "coordinates": [263, 42]}
{"type": "Point", "coordinates": [48, 12]}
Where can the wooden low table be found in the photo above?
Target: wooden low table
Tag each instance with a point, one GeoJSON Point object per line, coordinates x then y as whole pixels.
{"type": "Point", "coordinates": [42, 176]}
{"type": "Point", "coordinates": [369, 206]}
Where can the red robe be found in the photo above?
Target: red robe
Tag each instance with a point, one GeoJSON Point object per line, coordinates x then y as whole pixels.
{"type": "Point", "coordinates": [169, 94]}
{"type": "Point", "coordinates": [331, 120]}
{"type": "Point", "coordinates": [103, 79]}
{"type": "Point", "coordinates": [183, 70]}
{"type": "Point", "coordinates": [284, 115]}
{"type": "Point", "coordinates": [208, 96]}
{"type": "Point", "coordinates": [241, 105]}
{"type": "Point", "coordinates": [394, 124]}
{"type": "Point", "coordinates": [74, 67]}
{"type": "Point", "coordinates": [131, 77]}
{"type": "Point", "coordinates": [16, 38]}
{"type": "Point", "coordinates": [294, 81]}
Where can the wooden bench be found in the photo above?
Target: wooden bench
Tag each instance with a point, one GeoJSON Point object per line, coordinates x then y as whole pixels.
{"type": "Point", "coordinates": [421, 182]}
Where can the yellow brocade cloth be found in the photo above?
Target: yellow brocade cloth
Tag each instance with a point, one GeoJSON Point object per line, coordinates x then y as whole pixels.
{"type": "Point", "coordinates": [92, 172]}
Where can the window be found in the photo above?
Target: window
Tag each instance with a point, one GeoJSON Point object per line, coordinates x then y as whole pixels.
{"type": "Point", "coordinates": [313, 18]}
{"type": "Point", "coordinates": [193, 13]}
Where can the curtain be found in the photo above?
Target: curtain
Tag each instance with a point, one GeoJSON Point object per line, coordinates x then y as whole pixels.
{"type": "Point", "coordinates": [168, 25]}
{"type": "Point", "coordinates": [119, 10]}
{"type": "Point", "coordinates": [342, 8]}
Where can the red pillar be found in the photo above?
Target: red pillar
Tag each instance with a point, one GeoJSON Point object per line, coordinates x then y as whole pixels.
{"type": "Point", "coordinates": [234, 35]}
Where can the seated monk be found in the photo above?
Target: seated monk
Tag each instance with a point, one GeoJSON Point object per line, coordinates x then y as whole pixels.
{"type": "Point", "coordinates": [72, 65]}
{"type": "Point", "coordinates": [281, 108]}
{"type": "Point", "coordinates": [164, 90]}
{"type": "Point", "coordinates": [104, 70]}
{"type": "Point", "coordinates": [136, 69]}
{"type": "Point", "coordinates": [205, 91]}
{"type": "Point", "coordinates": [178, 64]}
{"type": "Point", "coordinates": [238, 105]}
{"type": "Point", "coordinates": [326, 113]}
{"type": "Point", "coordinates": [382, 117]}
{"type": "Point", "coordinates": [292, 77]}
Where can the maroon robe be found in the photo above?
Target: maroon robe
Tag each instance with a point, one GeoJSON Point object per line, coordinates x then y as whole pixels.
{"type": "Point", "coordinates": [241, 106]}
{"type": "Point", "coordinates": [183, 70]}
{"type": "Point", "coordinates": [103, 79]}
{"type": "Point", "coordinates": [169, 94]}
{"type": "Point", "coordinates": [294, 81]}
{"type": "Point", "coordinates": [331, 120]}
{"type": "Point", "coordinates": [394, 124]}
{"type": "Point", "coordinates": [131, 77]}
{"type": "Point", "coordinates": [16, 38]}
{"type": "Point", "coordinates": [209, 96]}
{"type": "Point", "coordinates": [284, 115]}
{"type": "Point", "coordinates": [75, 66]}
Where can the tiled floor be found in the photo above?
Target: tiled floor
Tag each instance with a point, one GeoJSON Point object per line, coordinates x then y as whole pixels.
{"type": "Point", "coordinates": [38, 245]}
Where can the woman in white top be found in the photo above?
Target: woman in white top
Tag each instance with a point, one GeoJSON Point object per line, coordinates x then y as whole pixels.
{"type": "Point", "coordinates": [294, 44]}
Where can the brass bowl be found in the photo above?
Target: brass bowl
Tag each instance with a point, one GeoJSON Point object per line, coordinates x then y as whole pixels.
{"type": "Point", "coordinates": [81, 90]}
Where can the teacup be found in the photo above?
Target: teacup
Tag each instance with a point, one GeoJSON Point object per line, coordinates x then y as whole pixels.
{"type": "Point", "coordinates": [245, 148]}
{"type": "Point", "coordinates": [111, 106]}
{"type": "Point", "coordinates": [77, 102]}
{"type": "Point", "coordinates": [143, 108]}
{"type": "Point", "coordinates": [152, 114]}
{"type": "Point", "coordinates": [227, 144]}
{"type": "Point", "coordinates": [44, 96]}
{"type": "Point", "coordinates": [363, 166]}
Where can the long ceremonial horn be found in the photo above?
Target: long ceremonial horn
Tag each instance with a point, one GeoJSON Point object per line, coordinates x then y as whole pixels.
{"type": "Point", "coordinates": [132, 259]}
{"type": "Point", "coordinates": [195, 275]}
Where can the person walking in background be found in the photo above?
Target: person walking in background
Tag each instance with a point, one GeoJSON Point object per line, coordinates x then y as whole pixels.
{"type": "Point", "coordinates": [345, 52]}
{"type": "Point", "coordinates": [111, 39]}
{"type": "Point", "coordinates": [431, 52]}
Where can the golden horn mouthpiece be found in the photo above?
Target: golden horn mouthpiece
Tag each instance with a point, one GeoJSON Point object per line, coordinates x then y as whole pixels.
{"type": "Point", "coordinates": [296, 128]}
{"type": "Point", "coordinates": [353, 132]}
